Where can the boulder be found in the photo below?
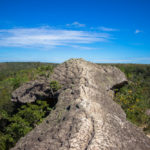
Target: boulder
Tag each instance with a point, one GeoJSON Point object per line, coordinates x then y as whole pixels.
{"type": "Point", "coordinates": [31, 91]}
{"type": "Point", "coordinates": [85, 116]}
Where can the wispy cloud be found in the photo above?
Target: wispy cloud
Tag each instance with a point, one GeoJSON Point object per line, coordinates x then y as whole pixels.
{"type": "Point", "coordinates": [83, 47]}
{"type": "Point", "coordinates": [107, 29]}
{"type": "Point", "coordinates": [76, 24]}
{"type": "Point", "coordinates": [46, 37]}
{"type": "Point", "coordinates": [137, 31]}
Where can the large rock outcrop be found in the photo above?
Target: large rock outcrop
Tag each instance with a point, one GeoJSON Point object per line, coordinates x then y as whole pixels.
{"type": "Point", "coordinates": [31, 91]}
{"type": "Point", "coordinates": [86, 117]}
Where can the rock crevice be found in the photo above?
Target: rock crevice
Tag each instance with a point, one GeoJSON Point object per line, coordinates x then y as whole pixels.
{"type": "Point", "coordinates": [85, 117]}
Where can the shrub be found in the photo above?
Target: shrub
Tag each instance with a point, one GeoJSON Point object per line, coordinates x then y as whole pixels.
{"type": "Point", "coordinates": [54, 85]}
{"type": "Point", "coordinates": [19, 124]}
{"type": "Point", "coordinates": [134, 98]}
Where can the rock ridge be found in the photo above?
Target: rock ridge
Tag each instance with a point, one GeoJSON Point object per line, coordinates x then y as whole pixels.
{"type": "Point", "coordinates": [85, 117]}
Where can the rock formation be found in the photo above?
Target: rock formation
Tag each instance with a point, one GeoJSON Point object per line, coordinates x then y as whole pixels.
{"type": "Point", "coordinates": [85, 117]}
{"type": "Point", "coordinates": [31, 91]}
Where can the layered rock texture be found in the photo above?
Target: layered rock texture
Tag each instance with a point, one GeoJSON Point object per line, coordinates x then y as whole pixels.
{"type": "Point", "coordinates": [85, 117]}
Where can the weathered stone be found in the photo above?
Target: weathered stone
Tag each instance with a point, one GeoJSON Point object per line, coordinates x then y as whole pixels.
{"type": "Point", "coordinates": [32, 91]}
{"type": "Point", "coordinates": [86, 117]}
{"type": "Point", "coordinates": [147, 112]}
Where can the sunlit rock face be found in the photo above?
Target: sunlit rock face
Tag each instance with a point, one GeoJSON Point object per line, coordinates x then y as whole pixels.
{"type": "Point", "coordinates": [85, 117]}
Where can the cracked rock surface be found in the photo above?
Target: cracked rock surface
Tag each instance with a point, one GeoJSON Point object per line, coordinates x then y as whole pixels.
{"type": "Point", "coordinates": [31, 91]}
{"type": "Point", "coordinates": [85, 117]}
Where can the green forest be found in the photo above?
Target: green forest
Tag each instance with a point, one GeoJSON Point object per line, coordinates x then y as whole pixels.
{"type": "Point", "coordinates": [18, 120]}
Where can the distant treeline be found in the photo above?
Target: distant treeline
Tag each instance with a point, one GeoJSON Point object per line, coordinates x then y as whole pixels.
{"type": "Point", "coordinates": [7, 69]}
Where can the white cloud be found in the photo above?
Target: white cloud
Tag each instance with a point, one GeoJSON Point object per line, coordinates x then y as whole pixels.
{"type": "Point", "coordinates": [83, 47]}
{"type": "Point", "coordinates": [76, 24]}
{"type": "Point", "coordinates": [107, 29]}
{"type": "Point", "coordinates": [137, 31]}
{"type": "Point", "coordinates": [46, 37]}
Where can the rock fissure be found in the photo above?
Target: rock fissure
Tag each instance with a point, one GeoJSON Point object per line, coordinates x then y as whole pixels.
{"type": "Point", "coordinates": [92, 134]}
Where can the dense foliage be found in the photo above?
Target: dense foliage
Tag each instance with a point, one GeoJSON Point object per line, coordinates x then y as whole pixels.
{"type": "Point", "coordinates": [135, 96]}
{"type": "Point", "coordinates": [12, 127]}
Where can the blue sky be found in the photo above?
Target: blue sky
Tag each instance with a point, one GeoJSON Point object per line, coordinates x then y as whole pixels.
{"type": "Point", "coordinates": [102, 31]}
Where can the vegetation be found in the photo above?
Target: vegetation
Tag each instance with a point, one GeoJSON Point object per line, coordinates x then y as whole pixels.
{"type": "Point", "coordinates": [134, 97]}
{"type": "Point", "coordinates": [15, 79]}
{"type": "Point", "coordinates": [17, 120]}
{"type": "Point", "coordinates": [12, 127]}
{"type": "Point", "coordinates": [9, 69]}
{"type": "Point", "coordinates": [55, 86]}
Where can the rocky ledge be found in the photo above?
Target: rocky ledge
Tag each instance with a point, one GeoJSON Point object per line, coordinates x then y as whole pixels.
{"type": "Point", "coordinates": [85, 116]}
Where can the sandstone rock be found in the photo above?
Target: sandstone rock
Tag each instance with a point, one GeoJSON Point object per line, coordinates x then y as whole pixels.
{"type": "Point", "coordinates": [86, 117]}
